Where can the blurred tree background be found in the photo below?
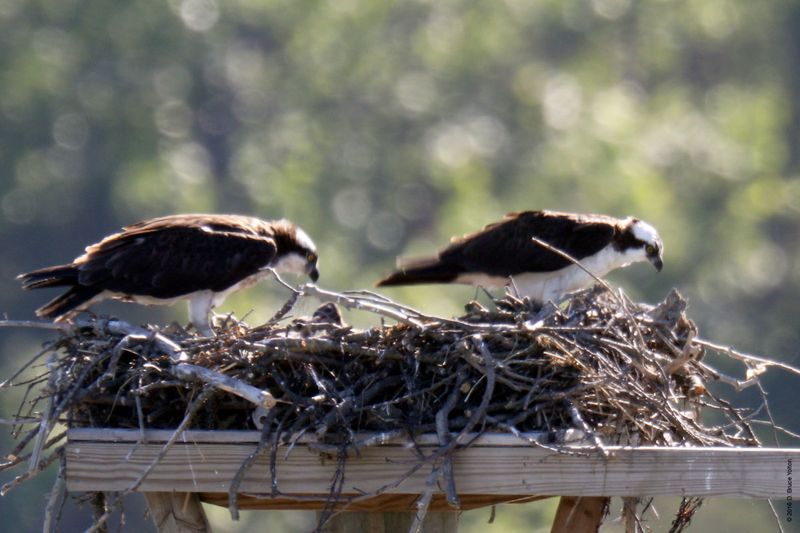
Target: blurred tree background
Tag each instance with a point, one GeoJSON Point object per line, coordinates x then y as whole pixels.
{"type": "Point", "coordinates": [383, 128]}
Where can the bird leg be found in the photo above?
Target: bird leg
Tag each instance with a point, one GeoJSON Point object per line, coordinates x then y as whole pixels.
{"type": "Point", "coordinates": [200, 306]}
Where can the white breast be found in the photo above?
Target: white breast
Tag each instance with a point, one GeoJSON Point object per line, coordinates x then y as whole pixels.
{"type": "Point", "coordinates": [545, 286]}
{"type": "Point", "coordinates": [249, 281]}
{"type": "Point", "coordinates": [482, 280]}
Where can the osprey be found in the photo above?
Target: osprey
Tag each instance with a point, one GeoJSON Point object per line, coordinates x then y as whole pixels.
{"type": "Point", "coordinates": [505, 253]}
{"type": "Point", "coordinates": [202, 258]}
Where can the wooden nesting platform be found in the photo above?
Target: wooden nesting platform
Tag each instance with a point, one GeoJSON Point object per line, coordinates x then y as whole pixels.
{"type": "Point", "coordinates": [494, 469]}
{"type": "Point", "coordinates": [597, 365]}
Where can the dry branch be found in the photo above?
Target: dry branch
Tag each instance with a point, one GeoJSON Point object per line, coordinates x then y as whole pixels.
{"type": "Point", "coordinates": [258, 397]}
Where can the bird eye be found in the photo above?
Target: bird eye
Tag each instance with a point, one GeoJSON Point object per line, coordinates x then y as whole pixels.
{"type": "Point", "coordinates": [650, 249]}
{"type": "Point", "coordinates": [311, 257]}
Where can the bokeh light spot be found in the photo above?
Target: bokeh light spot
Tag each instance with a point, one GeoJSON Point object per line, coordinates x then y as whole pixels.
{"type": "Point", "coordinates": [352, 207]}
{"type": "Point", "coordinates": [71, 131]}
{"type": "Point", "coordinates": [611, 9]}
{"type": "Point", "coordinates": [199, 15]}
{"type": "Point", "coordinates": [174, 119]}
{"type": "Point", "coordinates": [385, 231]}
{"type": "Point", "coordinates": [562, 102]}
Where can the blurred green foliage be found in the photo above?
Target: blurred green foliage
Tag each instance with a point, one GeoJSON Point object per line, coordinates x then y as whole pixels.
{"type": "Point", "coordinates": [383, 128]}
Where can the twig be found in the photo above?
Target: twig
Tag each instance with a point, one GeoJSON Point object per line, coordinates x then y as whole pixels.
{"type": "Point", "coordinates": [44, 463]}
{"type": "Point", "coordinates": [58, 326]}
{"type": "Point", "coordinates": [137, 398]}
{"type": "Point", "coordinates": [349, 302]}
{"type": "Point", "coordinates": [284, 310]}
{"type": "Point", "coordinates": [599, 280]}
{"type": "Point", "coordinates": [127, 341]}
{"type": "Point", "coordinates": [15, 459]}
{"type": "Point", "coordinates": [225, 383]}
{"type": "Point", "coordinates": [22, 420]}
{"type": "Point", "coordinates": [337, 484]}
{"type": "Point", "coordinates": [477, 415]}
{"type": "Point", "coordinates": [730, 352]}
{"type": "Point", "coordinates": [99, 524]}
{"type": "Point", "coordinates": [56, 500]}
{"type": "Point", "coordinates": [578, 420]}
{"type": "Point", "coordinates": [48, 348]}
{"type": "Point", "coordinates": [280, 280]}
{"type": "Point", "coordinates": [775, 516]}
{"type": "Point", "coordinates": [263, 442]}
{"type": "Point", "coordinates": [424, 502]}
{"type": "Point", "coordinates": [204, 395]}
{"type": "Point", "coordinates": [47, 418]}
{"type": "Point", "coordinates": [100, 509]}
{"type": "Point", "coordinates": [629, 518]}
{"type": "Point", "coordinates": [739, 385]}
{"type": "Point", "coordinates": [443, 432]}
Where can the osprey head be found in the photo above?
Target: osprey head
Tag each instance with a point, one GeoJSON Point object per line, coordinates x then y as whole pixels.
{"type": "Point", "coordinates": [640, 241]}
{"type": "Point", "coordinates": [296, 251]}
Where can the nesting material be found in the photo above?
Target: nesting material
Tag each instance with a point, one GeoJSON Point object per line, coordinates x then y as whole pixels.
{"type": "Point", "coordinates": [622, 372]}
{"type": "Point", "coordinates": [616, 371]}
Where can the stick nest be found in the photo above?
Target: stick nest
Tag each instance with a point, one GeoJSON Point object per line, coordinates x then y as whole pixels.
{"type": "Point", "coordinates": [626, 376]}
{"type": "Point", "coordinates": [600, 365]}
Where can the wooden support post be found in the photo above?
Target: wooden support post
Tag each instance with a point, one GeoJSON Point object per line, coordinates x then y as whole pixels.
{"type": "Point", "coordinates": [581, 514]}
{"type": "Point", "coordinates": [177, 512]}
{"type": "Point", "coordinates": [347, 522]}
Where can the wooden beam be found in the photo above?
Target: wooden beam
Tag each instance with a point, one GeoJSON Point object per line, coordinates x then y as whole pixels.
{"type": "Point", "coordinates": [385, 522]}
{"type": "Point", "coordinates": [233, 436]}
{"type": "Point", "coordinates": [193, 465]}
{"type": "Point", "coordinates": [177, 512]}
{"type": "Point", "coordinates": [384, 502]}
{"type": "Point", "coordinates": [579, 514]}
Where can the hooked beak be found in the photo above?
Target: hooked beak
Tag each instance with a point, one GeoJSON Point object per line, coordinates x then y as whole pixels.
{"type": "Point", "coordinates": [313, 273]}
{"type": "Point", "coordinates": [657, 262]}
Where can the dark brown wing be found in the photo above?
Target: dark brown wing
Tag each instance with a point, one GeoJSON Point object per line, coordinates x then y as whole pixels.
{"type": "Point", "coordinates": [229, 223]}
{"type": "Point", "coordinates": [174, 256]}
{"type": "Point", "coordinates": [505, 248]}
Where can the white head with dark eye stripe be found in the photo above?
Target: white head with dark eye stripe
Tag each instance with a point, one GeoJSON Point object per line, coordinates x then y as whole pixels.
{"type": "Point", "coordinates": [640, 242]}
{"type": "Point", "coordinates": [296, 253]}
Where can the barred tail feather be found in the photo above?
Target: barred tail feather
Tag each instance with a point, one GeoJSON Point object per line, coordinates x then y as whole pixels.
{"type": "Point", "coordinates": [55, 276]}
{"type": "Point", "coordinates": [61, 306]}
{"type": "Point", "coordinates": [421, 271]}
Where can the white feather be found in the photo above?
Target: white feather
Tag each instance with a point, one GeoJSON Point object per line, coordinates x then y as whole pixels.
{"type": "Point", "coordinates": [645, 232]}
{"type": "Point", "coordinates": [292, 263]}
{"type": "Point", "coordinates": [303, 239]}
{"type": "Point", "coordinates": [545, 286]}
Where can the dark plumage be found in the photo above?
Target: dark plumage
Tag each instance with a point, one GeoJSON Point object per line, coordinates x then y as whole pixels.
{"type": "Point", "coordinates": [505, 250]}
{"type": "Point", "coordinates": [200, 257]}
